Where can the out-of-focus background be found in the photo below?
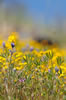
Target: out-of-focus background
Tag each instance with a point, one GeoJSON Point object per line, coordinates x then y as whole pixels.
{"type": "Point", "coordinates": [44, 19]}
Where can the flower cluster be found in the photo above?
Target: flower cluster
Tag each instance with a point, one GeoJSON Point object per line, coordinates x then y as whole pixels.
{"type": "Point", "coordinates": [31, 71]}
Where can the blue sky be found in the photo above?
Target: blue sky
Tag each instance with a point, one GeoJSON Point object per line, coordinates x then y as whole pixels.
{"type": "Point", "coordinates": [46, 6]}
{"type": "Point", "coordinates": [48, 9]}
